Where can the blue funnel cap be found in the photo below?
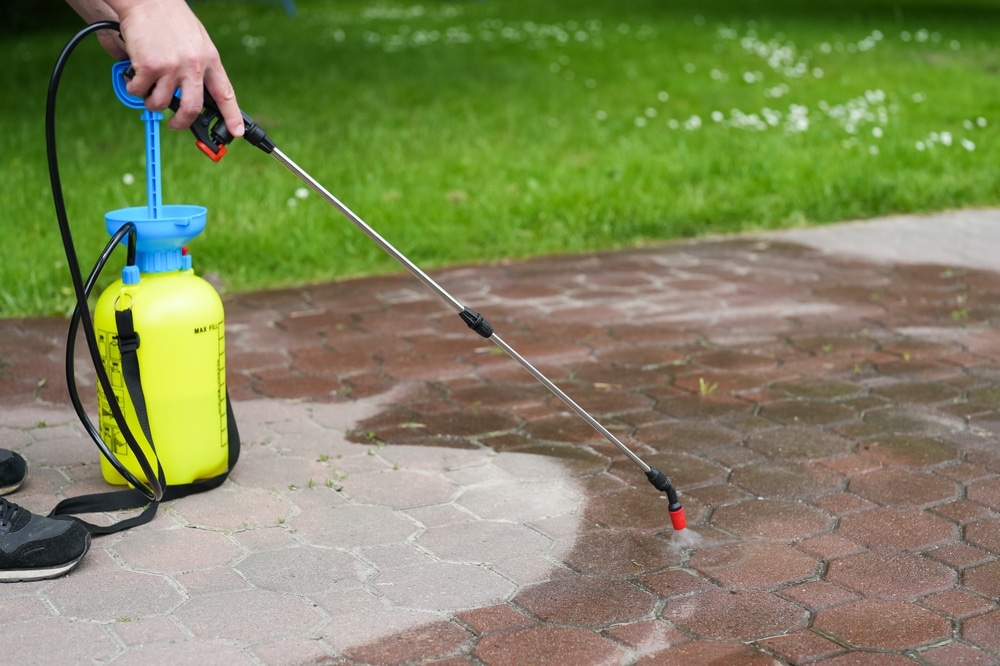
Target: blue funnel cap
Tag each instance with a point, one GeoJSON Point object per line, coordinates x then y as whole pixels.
{"type": "Point", "coordinates": [159, 240]}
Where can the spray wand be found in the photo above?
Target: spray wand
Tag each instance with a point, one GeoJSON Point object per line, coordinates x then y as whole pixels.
{"type": "Point", "coordinates": [212, 137]}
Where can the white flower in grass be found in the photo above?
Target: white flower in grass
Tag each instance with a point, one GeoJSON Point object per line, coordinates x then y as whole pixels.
{"type": "Point", "coordinates": [919, 98]}
{"type": "Point", "coordinates": [128, 179]}
{"type": "Point", "coordinates": [968, 145]}
{"type": "Point", "coordinates": [673, 124]}
{"type": "Point", "coordinates": [967, 124]}
{"type": "Point", "coordinates": [640, 122]}
{"type": "Point", "coordinates": [717, 116]}
{"type": "Point", "coordinates": [689, 67]}
{"type": "Point", "coordinates": [921, 146]}
{"type": "Point", "coordinates": [981, 121]}
{"type": "Point", "coordinates": [873, 150]}
{"type": "Point", "coordinates": [663, 96]}
{"type": "Point", "coordinates": [650, 112]}
{"type": "Point", "coordinates": [817, 73]}
{"type": "Point", "coordinates": [877, 132]}
{"type": "Point", "coordinates": [692, 123]}
{"type": "Point", "coordinates": [293, 202]}
{"type": "Point", "coordinates": [946, 138]}
{"type": "Point", "coordinates": [301, 193]}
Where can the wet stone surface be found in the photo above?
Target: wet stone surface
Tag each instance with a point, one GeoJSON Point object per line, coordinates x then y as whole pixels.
{"type": "Point", "coordinates": [406, 494]}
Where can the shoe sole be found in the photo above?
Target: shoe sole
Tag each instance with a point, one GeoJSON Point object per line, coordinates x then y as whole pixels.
{"type": "Point", "coordinates": [7, 490]}
{"type": "Point", "coordinates": [26, 575]}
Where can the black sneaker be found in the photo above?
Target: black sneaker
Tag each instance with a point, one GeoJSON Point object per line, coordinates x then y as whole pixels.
{"type": "Point", "coordinates": [12, 471]}
{"type": "Point", "coordinates": [35, 547]}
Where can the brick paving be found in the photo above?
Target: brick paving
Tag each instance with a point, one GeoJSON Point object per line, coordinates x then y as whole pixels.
{"type": "Point", "coordinates": [827, 402]}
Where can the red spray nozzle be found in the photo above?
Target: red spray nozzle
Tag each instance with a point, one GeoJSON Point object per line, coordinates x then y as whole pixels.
{"type": "Point", "coordinates": [677, 518]}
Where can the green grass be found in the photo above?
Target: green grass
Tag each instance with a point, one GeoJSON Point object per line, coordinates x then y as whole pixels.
{"type": "Point", "coordinates": [474, 131]}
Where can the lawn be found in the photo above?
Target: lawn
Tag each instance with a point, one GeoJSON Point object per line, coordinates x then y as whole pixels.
{"type": "Point", "coordinates": [469, 131]}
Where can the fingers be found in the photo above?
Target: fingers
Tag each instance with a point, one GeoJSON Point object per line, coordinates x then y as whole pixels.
{"type": "Point", "coordinates": [222, 92]}
{"type": "Point", "coordinates": [170, 49]}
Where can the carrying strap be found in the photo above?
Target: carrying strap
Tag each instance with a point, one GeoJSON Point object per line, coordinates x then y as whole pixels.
{"type": "Point", "coordinates": [120, 500]}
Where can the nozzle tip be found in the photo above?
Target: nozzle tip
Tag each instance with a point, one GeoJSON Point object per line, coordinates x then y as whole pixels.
{"type": "Point", "coordinates": [677, 518]}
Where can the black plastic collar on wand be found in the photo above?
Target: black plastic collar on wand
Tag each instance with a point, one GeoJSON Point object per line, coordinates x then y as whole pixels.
{"type": "Point", "coordinates": [662, 483]}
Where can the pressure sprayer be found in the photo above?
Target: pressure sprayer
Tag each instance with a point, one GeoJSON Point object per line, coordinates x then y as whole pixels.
{"type": "Point", "coordinates": [212, 138]}
{"type": "Point", "coordinates": [157, 340]}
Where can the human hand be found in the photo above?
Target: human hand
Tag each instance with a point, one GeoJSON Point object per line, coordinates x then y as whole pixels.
{"type": "Point", "coordinates": [169, 49]}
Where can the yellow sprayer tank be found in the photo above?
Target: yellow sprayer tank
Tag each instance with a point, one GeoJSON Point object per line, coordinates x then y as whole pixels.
{"type": "Point", "coordinates": [182, 357]}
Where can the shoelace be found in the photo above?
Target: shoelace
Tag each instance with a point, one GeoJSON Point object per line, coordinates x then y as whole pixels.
{"type": "Point", "coordinates": [7, 511]}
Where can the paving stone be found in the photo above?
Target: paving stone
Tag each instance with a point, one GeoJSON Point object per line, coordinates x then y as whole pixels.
{"type": "Point", "coordinates": [706, 652]}
{"type": "Point", "coordinates": [442, 586]}
{"type": "Point", "coordinates": [614, 552]}
{"type": "Point", "coordinates": [798, 443]}
{"type": "Point", "coordinates": [802, 646]}
{"type": "Point", "coordinates": [546, 645]}
{"type": "Point", "coordinates": [734, 614]}
{"type": "Point", "coordinates": [754, 564]}
{"type": "Point", "coordinates": [890, 575]}
{"type": "Point", "coordinates": [771, 519]}
{"type": "Point", "coordinates": [983, 631]}
{"type": "Point", "coordinates": [419, 644]}
{"type": "Point", "coordinates": [957, 653]}
{"type": "Point", "coordinates": [886, 624]}
{"type": "Point", "coordinates": [903, 487]}
{"type": "Point", "coordinates": [844, 394]}
{"type": "Point", "coordinates": [494, 618]}
{"type": "Point", "coordinates": [896, 528]}
{"type": "Point", "coordinates": [586, 602]}
{"type": "Point", "coordinates": [792, 480]}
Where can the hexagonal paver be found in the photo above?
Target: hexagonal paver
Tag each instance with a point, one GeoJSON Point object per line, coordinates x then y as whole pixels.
{"type": "Point", "coordinates": [903, 487]}
{"type": "Point", "coordinates": [354, 525]}
{"type": "Point", "coordinates": [483, 542]}
{"type": "Point", "coordinates": [816, 388]}
{"type": "Point", "coordinates": [984, 579]}
{"type": "Point", "coordinates": [688, 436]}
{"type": "Point", "coordinates": [303, 570]}
{"type": "Point", "coordinates": [910, 529]}
{"type": "Point", "coordinates": [985, 533]}
{"type": "Point", "coordinates": [399, 489]}
{"type": "Point", "coordinates": [908, 450]}
{"type": "Point", "coordinates": [587, 602]}
{"type": "Point", "coordinates": [442, 586]}
{"type": "Point", "coordinates": [794, 442]}
{"type": "Point", "coordinates": [983, 630]}
{"type": "Point", "coordinates": [807, 412]}
{"type": "Point", "coordinates": [890, 575]}
{"type": "Point", "coordinates": [547, 645]}
{"type": "Point", "coordinates": [771, 519]}
{"type": "Point", "coordinates": [985, 492]}
{"type": "Point", "coordinates": [610, 552]}
{"type": "Point", "coordinates": [421, 644]}
{"type": "Point", "coordinates": [789, 480]}
{"type": "Point", "coordinates": [111, 593]}
{"type": "Point", "coordinates": [882, 624]}
{"type": "Point", "coordinates": [248, 616]}
{"type": "Point", "coordinates": [754, 564]}
{"type": "Point", "coordinates": [176, 550]}
{"type": "Point", "coordinates": [522, 500]}
{"type": "Point", "coordinates": [740, 615]}
{"type": "Point", "coordinates": [705, 652]}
